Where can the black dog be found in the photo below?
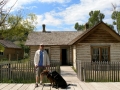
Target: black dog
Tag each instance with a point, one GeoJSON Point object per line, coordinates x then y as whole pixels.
{"type": "Point", "coordinates": [55, 79]}
{"type": "Point", "coordinates": [60, 82]}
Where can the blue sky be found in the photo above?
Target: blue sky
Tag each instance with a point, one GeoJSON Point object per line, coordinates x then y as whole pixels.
{"type": "Point", "coordinates": [61, 15]}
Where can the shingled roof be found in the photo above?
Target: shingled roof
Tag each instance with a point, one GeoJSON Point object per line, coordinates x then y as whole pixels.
{"type": "Point", "coordinates": [8, 44]}
{"type": "Point", "coordinates": [52, 38]}
{"type": "Point", "coordinates": [64, 37]}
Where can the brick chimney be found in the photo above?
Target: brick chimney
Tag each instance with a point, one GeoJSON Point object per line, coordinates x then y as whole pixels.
{"type": "Point", "coordinates": [86, 26]}
{"type": "Point", "coordinates": [43, 28]}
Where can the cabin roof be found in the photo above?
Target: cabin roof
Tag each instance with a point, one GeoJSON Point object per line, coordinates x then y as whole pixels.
{"type": "Point", "coordinates": [52, 38]}
{"type": "Point", "coordinates": [8, 44]}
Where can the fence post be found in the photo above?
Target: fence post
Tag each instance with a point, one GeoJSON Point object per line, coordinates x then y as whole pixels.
{"type": "Point", "coordinates": [83, 70]}
{"type": "Point", "coordinates": [9, 57]}
{"type": "Point", "coordinates": [9, 71]}
{"type": "Point", "coordinates": [77, 68]}
{"type": "Point", "coordinates": [0, 72]}
{"type": "Point", "coordinates": [79, 72]}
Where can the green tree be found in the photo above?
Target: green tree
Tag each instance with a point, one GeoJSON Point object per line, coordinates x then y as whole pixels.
{"type": "Point", "coordinates": [116, 20]}
{"type": "Point", "coordinates": [95, 18]}
{"type": "Point", "coordinates": [18, 27]}
{"type": "Point", "coordinates": [79, 27]}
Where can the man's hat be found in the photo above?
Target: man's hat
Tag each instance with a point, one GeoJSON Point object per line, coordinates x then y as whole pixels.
{"type": "Point", "coordinates": [41, 44]}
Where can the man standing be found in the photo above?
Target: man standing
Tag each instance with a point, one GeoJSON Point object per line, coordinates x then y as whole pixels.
{"type": "Point", "coordinates": [41, 60]}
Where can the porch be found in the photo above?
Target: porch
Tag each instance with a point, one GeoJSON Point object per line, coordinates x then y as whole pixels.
{"type": "Point", "coordinates": [70, 76]}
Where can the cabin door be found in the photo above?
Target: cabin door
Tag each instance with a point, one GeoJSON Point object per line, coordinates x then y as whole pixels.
{"type": "Point", "coordinates": [64, 56]}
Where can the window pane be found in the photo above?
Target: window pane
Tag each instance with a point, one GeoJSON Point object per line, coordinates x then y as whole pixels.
{"type": "Point", "coordinates": [95, 54]}
{"type": "Point", "coordinates": [47, 50]}
{"type": "Point", "coordinates": [104, 56]}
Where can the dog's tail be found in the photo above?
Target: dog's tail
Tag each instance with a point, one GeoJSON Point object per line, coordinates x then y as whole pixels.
{"type": "Point", "coordinates": [68, 85]}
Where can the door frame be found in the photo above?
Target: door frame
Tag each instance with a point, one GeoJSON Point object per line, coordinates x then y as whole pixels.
{"type": "Point", "coordinates": [67, 54]}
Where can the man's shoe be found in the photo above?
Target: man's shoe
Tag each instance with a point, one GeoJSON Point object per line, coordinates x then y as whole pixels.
{"type": "Point", "coordinates": [36, 85]}
{"type": "Point", "coordinates": [41, 83]}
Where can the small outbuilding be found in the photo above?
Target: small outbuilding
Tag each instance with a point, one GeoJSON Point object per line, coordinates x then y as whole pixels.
{"type": "Point", "coordinates": [10, 51]}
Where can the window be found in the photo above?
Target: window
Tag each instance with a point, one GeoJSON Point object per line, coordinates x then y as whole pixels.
{"type": "Point", "coordinates": [47, 50]}
{"type": "Point", "coordinates": [1, 50]}
{"type": "Point", "coordinates": [100, 53]}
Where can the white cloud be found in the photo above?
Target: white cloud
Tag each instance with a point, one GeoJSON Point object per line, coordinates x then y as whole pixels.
{"type": "Point", "coordinates": [80, 12]}
{"type": "Point", "coordinates": [49, 19]}
{"type": "Point", "coordinates": [57, 1]}
{"type": "Point", "coordinates": [72, 14]}
{"type": "Point", "coordinates": [19, 4]}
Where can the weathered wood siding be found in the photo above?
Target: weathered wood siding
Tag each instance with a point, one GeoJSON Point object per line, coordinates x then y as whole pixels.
{"type": "Point", "coordinates": [115, 51]}
{"type": "Point", "coordinates": [71, 55]}
{"type": "Point", "coordinates": [99, 36]}
{"type": "Point", "coordinates": [55, 53]}
{"type": "Point", "coordinates": [84, 51]}
{"type": "Point", "coordinates": [32, 52]}
{"type": "Point", "coordinates": [33, 49]}
{"type": "Point", "coordinates": [12, 54]}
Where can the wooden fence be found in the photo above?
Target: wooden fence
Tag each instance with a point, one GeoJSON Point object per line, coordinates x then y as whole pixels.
{"type": "Point", "coordinates": [19, 72]}
{"type": "Point", "coordinates": [98, 71]}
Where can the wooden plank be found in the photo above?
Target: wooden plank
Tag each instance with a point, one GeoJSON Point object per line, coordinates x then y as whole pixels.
{"type": "Point", "coordinates": [40, 87]}
{"type": "Point", "coordinates": [96, 86]}
{"type": "Point", "coordinates": [31, 87]}
{"type": "Point", "coordinates": [76, 86]}
{"type": "Point", "coordinates": [17, 86]}
{"type": "Point", "coordinates": [9, 86]}
{"type": "Point", "coordinates": [99, 86]}
{"type": "Point", "coordinates": [71, 87]}
{"type": "Point", "coordinates": [115, 84]}
{"type": "Point", "coordinates": [104, 86]}
{"type": "Point", "coordinates": [112, 87]}
{"type": "Point", "coordinates": [118, 84]}
{"type": "Point", "coordinates": [24, 87]}
{"type": "Point", "coordinates": [83, 86]}
{"type": "Point", "coordinates": [3, 85]}
{"type": "Point", "coordinates": [90, 86]}
{"type": "Point", "coordinates": [46, 86]}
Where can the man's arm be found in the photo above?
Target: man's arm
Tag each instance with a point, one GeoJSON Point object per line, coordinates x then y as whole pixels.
{"type": "Point", "coordinates": [48, 60]}
{"type": "Point", "coordinates": [35, 59]}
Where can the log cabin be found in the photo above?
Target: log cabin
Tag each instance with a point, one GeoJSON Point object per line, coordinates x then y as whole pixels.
{"type": "Point", "coordinates": [10, 51]}
{"type": "Point", "coordinates": [99, 43]}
